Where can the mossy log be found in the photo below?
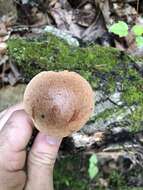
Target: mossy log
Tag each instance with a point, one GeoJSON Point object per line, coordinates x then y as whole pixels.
{"type": "Point", "coordinates": [117, 83]}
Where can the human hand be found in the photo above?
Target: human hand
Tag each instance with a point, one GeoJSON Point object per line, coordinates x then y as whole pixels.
{"type": "Point", "coordinates": [18, 170]}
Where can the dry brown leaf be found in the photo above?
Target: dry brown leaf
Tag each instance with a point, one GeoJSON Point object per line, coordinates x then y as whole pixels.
{"type": "Point", "coordinates": [95, 30]}
{"type": "Point", "coordinates": [84, 17]}
{"type": "Point", "coordinates": [125, 11]}
{"type": "Point", "coordinates": [105, 9]}
{"type": "Point", "coordinates": [65, 21]}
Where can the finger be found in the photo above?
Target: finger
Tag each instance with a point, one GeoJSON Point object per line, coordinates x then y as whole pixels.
{"type": "Point", "coordinates": [14, 137]}
{"type": "Point", "coordinates": [5, 115]}
{"type": "Point", "coordinates": [12, 180]}
{"type": "Point", "coordinates": [41, 162]}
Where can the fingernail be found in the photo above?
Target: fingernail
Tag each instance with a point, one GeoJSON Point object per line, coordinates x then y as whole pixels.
{"type": "Point", "coordinates": [46, 139]}
{"type": "Point", "coordinates": [53, 140]}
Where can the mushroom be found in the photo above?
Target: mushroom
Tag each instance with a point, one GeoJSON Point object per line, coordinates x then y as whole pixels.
{"type": "Point", "coordinates": [59, 103]}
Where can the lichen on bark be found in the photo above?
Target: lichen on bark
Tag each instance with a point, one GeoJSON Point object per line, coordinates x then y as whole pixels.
{"type": "Point", "coordinates": [108, 70]}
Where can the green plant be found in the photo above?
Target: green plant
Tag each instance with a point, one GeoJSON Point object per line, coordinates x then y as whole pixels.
{"type": "Point", "coordinates": [139, 41]}
{"type": "Point", "coordinates": [138, 30]}
{"type": "Point", "coordinates": [93, 168]}
{"type": "Point", "coordinates": [122, 30]}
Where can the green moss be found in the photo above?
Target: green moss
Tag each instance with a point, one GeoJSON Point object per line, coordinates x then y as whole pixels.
{"type": "Point", "coordinates": [117, 180]}
{"type": "Point", "coordinates": [55, 54]}
{"type": "Point", "coordinates": [132, 87]}
{"type": "Point", "coordinates": [105, 114]}
{"type": "Point", "coordinates": [102, 67]}
{"type": "Point", "coordinates": [133, 96]}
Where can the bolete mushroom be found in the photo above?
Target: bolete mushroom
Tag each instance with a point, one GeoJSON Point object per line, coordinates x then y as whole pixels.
{"type": "Point", "coordinates": [59, 103]}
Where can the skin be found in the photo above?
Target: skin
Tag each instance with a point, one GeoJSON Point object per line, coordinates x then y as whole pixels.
{"type": "Point", "coordinates": [20, 170]}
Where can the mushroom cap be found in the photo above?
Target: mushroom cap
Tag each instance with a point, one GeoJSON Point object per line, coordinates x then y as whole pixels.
{"type": "Point", "coordinates": [59, 103]}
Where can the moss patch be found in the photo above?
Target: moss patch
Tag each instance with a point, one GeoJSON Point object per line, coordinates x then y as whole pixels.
{"type": "Point", "coordinates": [55, 54]}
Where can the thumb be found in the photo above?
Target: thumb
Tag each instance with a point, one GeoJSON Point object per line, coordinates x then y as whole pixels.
{"type": "Point", "coordinates": [41, 162]}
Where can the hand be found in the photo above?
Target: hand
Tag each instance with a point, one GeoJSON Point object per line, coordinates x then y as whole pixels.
{"type": "Point", "coordinates": [18, 169]}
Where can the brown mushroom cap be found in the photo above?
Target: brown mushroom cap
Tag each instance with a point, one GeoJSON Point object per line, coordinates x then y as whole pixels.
{"type": "Point", "coordinates": [58, 102]}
